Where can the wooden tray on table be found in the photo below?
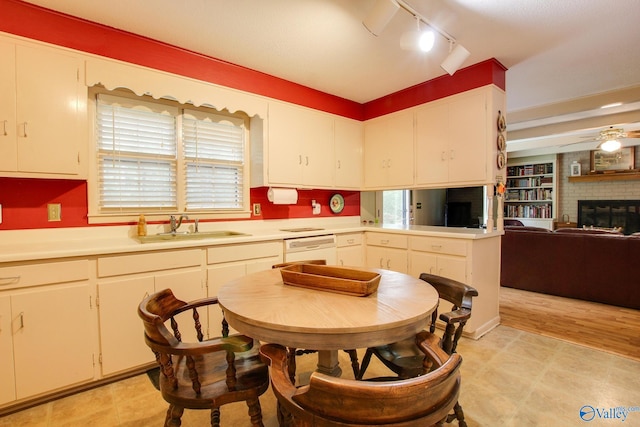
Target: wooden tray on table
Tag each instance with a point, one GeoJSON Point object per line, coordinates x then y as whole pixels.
{"type": "Point", "coordinates": [341, 280]}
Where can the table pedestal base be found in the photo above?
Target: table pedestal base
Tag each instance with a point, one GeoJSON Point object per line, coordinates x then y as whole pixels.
{"type": "Point", "coordinates": [328, 363]}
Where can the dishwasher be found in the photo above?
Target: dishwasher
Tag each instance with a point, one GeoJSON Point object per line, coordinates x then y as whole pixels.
{"type": "Point", "coordinates": [307, 248]}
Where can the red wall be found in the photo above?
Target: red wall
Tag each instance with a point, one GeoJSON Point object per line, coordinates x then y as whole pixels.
{"type": "Point", "coordinates": [24, 200]}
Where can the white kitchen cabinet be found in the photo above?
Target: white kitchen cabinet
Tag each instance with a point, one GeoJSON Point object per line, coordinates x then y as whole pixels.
{"type": "Point", "coordinates": [52, 337]}
{"type": "Point", "coordinates": [350, 250]}
{"type": "Point", "coordinates": [348, 135]}
{"type": "Point", "coordinates": [8, 383]}
{"type": "Point", "coordinates": [48, 338]}
{"type": "Point", "coordinates": [386, 250]}
{"type": "Point", "coordinates": [229, 262]}
{"type": "Point", "coordinates": [300, 146]}
{"type": "Point", "coordinates": [439, 256]}
{"type": "Point", "coordinates": [388, 151]}
{"type": "Point", "coordinates": [123, 281]}
{"type": "Point", "coordinates": [42, 114]}
{"type": "Point", "coordinates": [452, 140]}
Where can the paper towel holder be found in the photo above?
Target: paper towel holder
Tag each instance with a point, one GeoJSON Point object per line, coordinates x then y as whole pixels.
{"type": "Point", "coordinates": [282, 196]}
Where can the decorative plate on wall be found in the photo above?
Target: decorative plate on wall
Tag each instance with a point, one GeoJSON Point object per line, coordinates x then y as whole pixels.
{"type": "Point", "coordinates": [502, 144]}
{"type": "Point", "coordinates": [336, 203]}
{"type": "Point", "coordinates": [502, 123]}
{"type": "Point", "coordinates": [501, 160]}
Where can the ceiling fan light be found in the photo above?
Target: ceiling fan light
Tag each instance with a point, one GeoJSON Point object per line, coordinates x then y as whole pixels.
{"type": "Point", "coordinates": [610, 145]}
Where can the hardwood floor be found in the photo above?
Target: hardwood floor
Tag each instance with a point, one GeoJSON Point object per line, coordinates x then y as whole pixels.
{"type": "Point", "coordinates": [600, 326]}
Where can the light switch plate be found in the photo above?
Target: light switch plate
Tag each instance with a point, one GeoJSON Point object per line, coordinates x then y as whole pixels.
{"type": "Point", "coordinates": [54, 212]}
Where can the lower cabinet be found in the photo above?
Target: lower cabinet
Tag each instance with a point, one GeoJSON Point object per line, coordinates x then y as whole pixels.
{"type": "Point", "coordinates": [47, 328]}
{"type": "Point", "coordinates": [8, 384]}
{"type": "Point", "coordinates": [350, 250]}
{"type": "Point", "coordinates": [123, 281]}
{"type": "Point", "coordinates": [228, 262]}
{"type": "Point", "coordinates": [387, 251]}
{"type": "Point", "coordinates": [442, 257]}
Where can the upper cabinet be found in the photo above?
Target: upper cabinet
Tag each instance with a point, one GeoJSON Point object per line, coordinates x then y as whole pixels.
{"type": "Point", "coordinates": [300, 146]}
{"type": "Point", "coordinates": [348, 138]}
{"type": "Point", "coordinates": [42, 111]}
{"type": "Point", "coordinates": [305, 148]}
{"type": "Point", "coordinates": [454, 144]}
{"type": "Point", "coordinates": [388, 151]}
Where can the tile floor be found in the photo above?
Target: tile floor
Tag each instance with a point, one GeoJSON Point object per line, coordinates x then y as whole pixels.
{"type": "Point", "coordinates": [510, 378]}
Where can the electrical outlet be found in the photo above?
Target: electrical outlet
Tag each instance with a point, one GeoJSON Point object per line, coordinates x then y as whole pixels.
{"type": "Point", "coordinates": [54, 212]}
{"type": "Point", "coordinates": [256, 209]}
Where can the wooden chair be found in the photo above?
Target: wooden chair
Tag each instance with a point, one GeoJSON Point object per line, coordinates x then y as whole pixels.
{"type": "Point", "coordinates": [205, 374]}
{"type": "Point", "coordinates": [330, 401]}
{"type": "Point", "coordinates": [405, 359]}
{"type": "Point", "coordinates": [293, 352]}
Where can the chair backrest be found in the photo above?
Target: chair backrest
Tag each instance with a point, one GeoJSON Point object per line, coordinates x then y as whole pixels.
{"type": "Point", "coordinates": [460, 296]}
{"type": "Point", "coordinates": [419, 401]}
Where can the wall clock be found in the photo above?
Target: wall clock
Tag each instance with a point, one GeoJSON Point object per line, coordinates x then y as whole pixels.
{"type": "Point", "coordinates": [336, 203]}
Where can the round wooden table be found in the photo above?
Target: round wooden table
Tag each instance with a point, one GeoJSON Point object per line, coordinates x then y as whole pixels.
{"type": "Point", "coordinates": [261, 306]}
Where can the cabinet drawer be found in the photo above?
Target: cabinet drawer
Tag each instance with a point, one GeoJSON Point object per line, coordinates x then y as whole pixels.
{"type": "Point", "coordinates": [44, 273]}
{"type": "Point", "coordinates": [240, 252]}
{"type": "Point", "coordinates": [352, 239]}
{"type": "Point", "coordinates": [387, 239]}
{"type": "Point", "coordinates": [153, 261]}
{"type": "Point", "coordinates": [438, 245]}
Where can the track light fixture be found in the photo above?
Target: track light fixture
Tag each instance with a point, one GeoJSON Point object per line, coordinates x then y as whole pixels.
{"type": "Point", "coordinates": [457, 55]}
{"type": "Point", "coordinates": [378, 18]}
{"type": "Point", "coordinates": [384, 10]}
{"type": "Point", "coordinates": [422, 40]}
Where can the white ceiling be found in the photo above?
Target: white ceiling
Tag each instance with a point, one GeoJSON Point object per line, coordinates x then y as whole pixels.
{"type": "Point", "coordinates": [565, 58]}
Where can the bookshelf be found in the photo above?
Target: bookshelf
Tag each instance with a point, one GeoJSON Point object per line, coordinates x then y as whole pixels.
{"type": "Point", "coordinates": [530, 196]}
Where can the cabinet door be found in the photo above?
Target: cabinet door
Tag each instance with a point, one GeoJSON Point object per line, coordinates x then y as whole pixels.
{"type": "Point", "coordinates": [350, 256]}
{"type": "Point", "coordinates": [8, 384]}
{"type": "Point", "coordinates": [49, 108]}
{"type": "Point", "coordinates": [317, 148]}
{"type": "Point", "coordinates": [452, 268]}
{"type": "Point", "coordinates": [388, 151]}
{"type": "Point", "coordinates": [423, 262]}
{"type": "Point", "coordinates": [300, 146]}
{"type": "Point", "coordinates": [387, 258]}
{"type": "Point", "coordinates": [400, 150]}
{"type": "Point", "coordinates": [52, 338]}
{"type": "Point", "coordinates": [348, 146]}
{"type": "Point", "coordinates": [121, 330]}
{"type": "Point", "coordinates": [217, 276]}
{"type": "Point", "coordinates": [432, 146]}
{"type": "Point", "coordinates": [186, 286]}
{"type": "Point", "coordinates": [468, 139]}
{"type": "Point", "coordinates": [8, 146]}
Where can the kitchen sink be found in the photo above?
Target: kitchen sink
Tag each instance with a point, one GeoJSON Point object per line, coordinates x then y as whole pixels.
{"type": "Point", "coordinates": [171, 237]}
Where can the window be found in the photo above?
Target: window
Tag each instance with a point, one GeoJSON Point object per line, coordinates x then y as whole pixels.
{"type": "Point", "coordinates": [158, 158]}
{"type": "Point", "coordinates": [396, 207]}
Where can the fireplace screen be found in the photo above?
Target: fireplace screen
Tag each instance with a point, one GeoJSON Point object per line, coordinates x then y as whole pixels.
{"type": "Point", "coordinates": [610, 214]}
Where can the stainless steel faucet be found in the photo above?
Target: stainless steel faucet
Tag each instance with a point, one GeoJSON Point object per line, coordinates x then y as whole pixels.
{"type": "Point", "coordinates": [174, 225]}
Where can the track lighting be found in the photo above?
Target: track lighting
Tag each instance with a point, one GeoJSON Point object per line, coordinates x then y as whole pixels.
{"type": "Point", "coordinates": [422, 40]}
{"type": "Point", "coordinates": [456, 57]}
{"type": "Point", "coordinates": [384, 10]}
{"type": "Point", "coordinates": [378, 18]}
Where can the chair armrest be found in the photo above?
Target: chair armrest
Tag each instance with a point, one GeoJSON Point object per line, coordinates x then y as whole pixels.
{"type": "Point", "coordinates": [456, 316]}
{"type": "Point", "coordinates": [234, 343]}
{"type": "Point", "coordinates": [275, 356]}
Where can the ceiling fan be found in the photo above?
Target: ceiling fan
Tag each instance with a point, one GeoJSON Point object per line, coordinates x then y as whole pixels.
{"type": "Point", "coordinates": [610, 138]}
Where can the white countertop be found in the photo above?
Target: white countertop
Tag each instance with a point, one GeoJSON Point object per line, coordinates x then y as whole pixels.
{"type": "Point", "coordinates": [26, 245]}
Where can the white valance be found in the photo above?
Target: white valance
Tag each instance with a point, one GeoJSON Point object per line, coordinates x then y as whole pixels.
{"type": "Point", "coordinates": [159, 84]}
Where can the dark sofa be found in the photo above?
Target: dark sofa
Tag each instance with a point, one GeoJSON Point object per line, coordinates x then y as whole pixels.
{"type": "Point", "coordinates": [585, 264]}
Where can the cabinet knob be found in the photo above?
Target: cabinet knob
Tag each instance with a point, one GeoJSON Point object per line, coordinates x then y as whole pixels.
{"type": "Point", "coordinates": [4, 131]}
{"type": "Point", "coordinates": [9, 280]}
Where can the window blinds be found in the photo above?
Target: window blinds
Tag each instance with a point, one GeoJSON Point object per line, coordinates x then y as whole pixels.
{"type": "Point", "coordinates": [136, 156]}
